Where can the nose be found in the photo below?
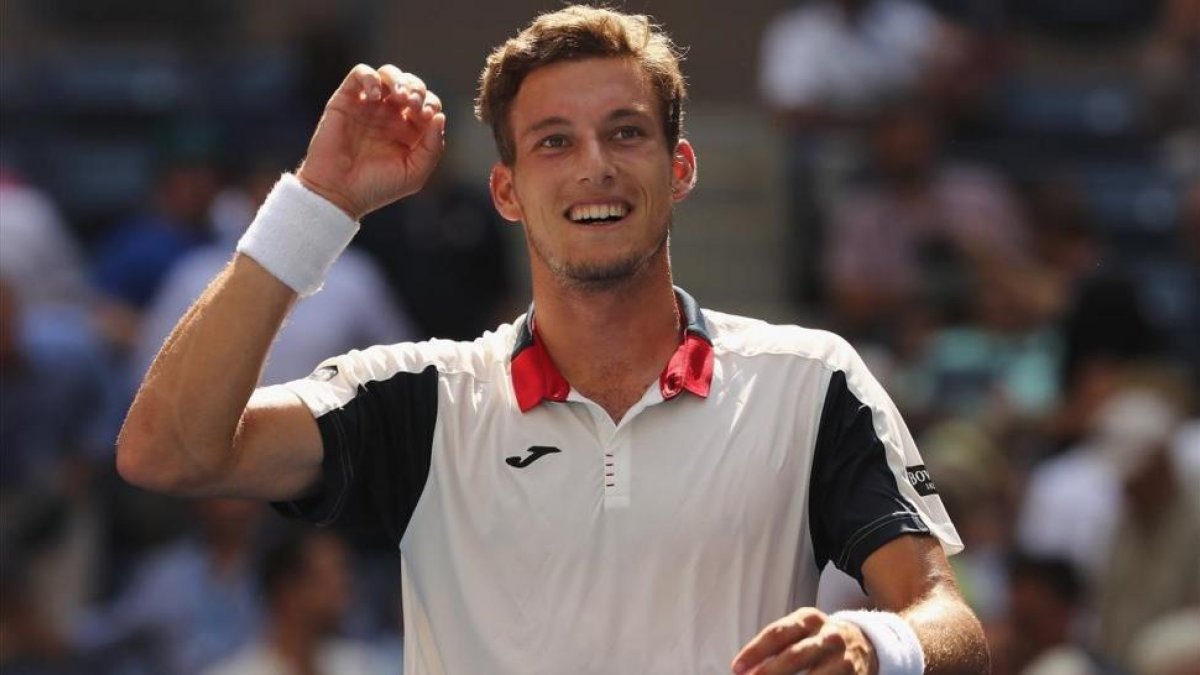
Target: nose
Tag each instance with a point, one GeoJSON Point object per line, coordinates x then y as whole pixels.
{"type": "Point", "coordinates": [595, 163]}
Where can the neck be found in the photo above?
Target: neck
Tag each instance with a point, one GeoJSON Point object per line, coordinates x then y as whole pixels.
{"type": "Point", "coordinates": [610, 344]}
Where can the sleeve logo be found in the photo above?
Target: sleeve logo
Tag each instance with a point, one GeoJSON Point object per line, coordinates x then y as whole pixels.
{"type": "Point", "coordinates": [922, 482]}
{"type": "Point", "coordinates": [324, 373]}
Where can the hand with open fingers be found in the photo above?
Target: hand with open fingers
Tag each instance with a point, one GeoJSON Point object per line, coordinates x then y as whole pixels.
{"type": "Point", "coordinates": [807, 641]}
{"type": "Point", "coordinates": [378, 140]}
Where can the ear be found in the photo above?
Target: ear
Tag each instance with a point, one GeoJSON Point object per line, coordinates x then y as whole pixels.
{"type": "Point", "coordinates": [683, 171]}
{"type": "Point", "coordinates": [504, 193]}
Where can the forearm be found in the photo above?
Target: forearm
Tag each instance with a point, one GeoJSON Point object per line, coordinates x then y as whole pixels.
{"type": "Point", "coordinates": [951, 637]}
{"type": "Point", "coordinates": [181, 429]}
{"type": "Point", "coordinates": [911, 576]}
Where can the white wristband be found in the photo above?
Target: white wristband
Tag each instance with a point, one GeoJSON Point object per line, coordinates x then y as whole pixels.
{"type": "Point", "coordinates": [297, 235]}
{"type": "Point", "coordinates": [897, 648]}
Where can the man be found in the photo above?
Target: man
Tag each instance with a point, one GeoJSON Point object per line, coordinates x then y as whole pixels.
{"type": "Point", "coordinates": [305, 581]}
{"type": "Point", "coordinates": [618, 481]}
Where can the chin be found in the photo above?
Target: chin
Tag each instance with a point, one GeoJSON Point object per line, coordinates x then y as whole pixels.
{"type": "Point", "coordinates": [600, 277]}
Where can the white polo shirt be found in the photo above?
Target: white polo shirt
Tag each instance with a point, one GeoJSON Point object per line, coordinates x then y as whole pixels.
{"type": "Point", "coordinates": [538, 536]}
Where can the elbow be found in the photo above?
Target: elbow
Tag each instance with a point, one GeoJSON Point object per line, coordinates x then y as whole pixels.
{"type": "Point", "coordinates": [153, 458]}
{"type": "Point", "coordinates": [141, 461]}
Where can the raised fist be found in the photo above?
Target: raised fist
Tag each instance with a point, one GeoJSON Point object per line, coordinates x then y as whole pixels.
{"type": "Point", "coordinates": [378, 140]}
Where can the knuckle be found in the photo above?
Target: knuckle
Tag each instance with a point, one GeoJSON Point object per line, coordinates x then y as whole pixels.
{"type": "Point", "coordinates": [813, 619]}
{"type": "Point", "coordinates": [835, 640]}
{"type": "Point", "coordinates": [776, 631]}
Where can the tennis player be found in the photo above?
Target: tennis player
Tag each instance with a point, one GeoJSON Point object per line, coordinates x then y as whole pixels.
{"type": "Point", "coordinates": [618, 481]}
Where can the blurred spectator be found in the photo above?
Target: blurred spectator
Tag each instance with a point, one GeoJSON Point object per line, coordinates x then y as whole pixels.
{"type": "Point", "coordinates": [1104, 329]}
{"type": "Point", "coordinates": [136, 256]}
{"type": "Point", "coordinates": [1073, 501]}
{"type": "Point", "coordinates": [903, 246]}
{"type": "Point", "coordinates": [836, 61]}
{"type": "Point", "coordinates": [1045, 599]}
{"type": "Point", "coordinates": [445, 255]}
{"type": "Point", "coordinates": [53, 395]}
{"type": "Point", "coordinates": [305, 579]}
{"type": "Point", "coordinates": [39, 257]}
{"type": "Point", "coordinates": [186, 607]}
{"type": "Point", "coordinates": [353, 310]}
{"type": "Point", "coordinates": [827, 68]}
{"type": "Point", "coordinates": [1153, 562]}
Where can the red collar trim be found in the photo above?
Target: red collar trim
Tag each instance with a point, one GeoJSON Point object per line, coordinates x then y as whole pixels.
{"type": "Point", "coordinates": [690, 368]}
{"type": "Point", "coordinates": [535, 378]}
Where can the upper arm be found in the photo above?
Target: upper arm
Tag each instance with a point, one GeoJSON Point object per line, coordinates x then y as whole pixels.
{"type": "Point", "coordinates": [907, 570]}
{"type": "Point", "coordinates": [277, 449]}
{"type": "Point", "coordinates": [376, 422]}
{"type": "Point", "coordinates": [862, 492]}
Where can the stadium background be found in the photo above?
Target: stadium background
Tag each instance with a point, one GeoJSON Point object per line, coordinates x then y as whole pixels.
{"type": "Point", "coordinates": [1043, 160]}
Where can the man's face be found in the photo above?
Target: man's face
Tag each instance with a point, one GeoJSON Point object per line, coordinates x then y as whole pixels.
{"type": "Point", "coordinates": [593, 180]}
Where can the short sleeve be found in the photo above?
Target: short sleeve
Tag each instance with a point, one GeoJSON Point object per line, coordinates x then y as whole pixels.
{"type": "Point", "coordinates": [377, 426]}
{"type": "Point", "coordinates": [868, 483]}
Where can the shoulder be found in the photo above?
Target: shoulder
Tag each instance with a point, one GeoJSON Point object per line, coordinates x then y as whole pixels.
{"type": "Point", "coordinates": [746, 337]}
{"type": "Point", "coordinates": [781, 348]}
{"type": "Point", "coordinates": [477, 358]}
{"type": "Point", "coordinates": [411, 370]}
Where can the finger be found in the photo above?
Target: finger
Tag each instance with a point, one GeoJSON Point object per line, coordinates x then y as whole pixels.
{"type": "Point", "coordinates": [363, 83]}
{"type": "Point", "coordinates": [415, 85]}
{"type": "Point", "coordinates": [433, 102]}
{"type": "Point", "coordinates": [393, 81]}
{"type": "Point", "coordinates": [822, 651]}
{"type": "Point", "coordinates": [775, 638]}
{"type": "Point", "coordinates": [429, 147]}
{"type": "Point", "coordinates": [411, 97]}
{"type": "Point", "coordinates": [404, 89]}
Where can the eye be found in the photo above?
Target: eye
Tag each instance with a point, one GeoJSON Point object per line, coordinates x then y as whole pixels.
{"type": "Point", "coordinates": [628, 133]}
{"type": "Point", "coordinates": [553, 142]}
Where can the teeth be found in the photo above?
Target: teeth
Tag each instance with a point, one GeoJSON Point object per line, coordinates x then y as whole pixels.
{"type": "Point", "coordinates": [598, 211]}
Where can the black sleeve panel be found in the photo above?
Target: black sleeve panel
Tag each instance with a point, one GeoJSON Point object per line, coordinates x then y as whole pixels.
{"type": "Point", "coordinates": [377, 456]}
{"type": "Point", "coordinates": [855, 505]}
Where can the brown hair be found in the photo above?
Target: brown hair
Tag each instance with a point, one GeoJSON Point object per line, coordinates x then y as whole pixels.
{"type": "Point", "coordinates": [579, 32]}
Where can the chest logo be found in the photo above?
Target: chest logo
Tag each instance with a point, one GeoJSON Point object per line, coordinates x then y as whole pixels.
{"type": "Point", "coordinates": [535, 452]}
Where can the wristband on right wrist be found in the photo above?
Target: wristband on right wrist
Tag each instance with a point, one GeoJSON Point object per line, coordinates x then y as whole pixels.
{"type": "Point", "coordinates": [897, 648]}
{"type": "Point", "coordinates": [297, 235]}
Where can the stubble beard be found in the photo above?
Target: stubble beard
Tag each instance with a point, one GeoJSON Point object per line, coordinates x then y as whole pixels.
{"type": "Point", "coordinates": [595, 277]}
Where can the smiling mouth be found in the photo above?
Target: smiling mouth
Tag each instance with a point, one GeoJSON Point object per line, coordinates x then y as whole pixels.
{"type": "Point", "coordinates": [598, 214]}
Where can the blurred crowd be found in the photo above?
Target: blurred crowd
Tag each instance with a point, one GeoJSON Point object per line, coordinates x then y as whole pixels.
{"type": "Point", "coordinates": [998, 203]}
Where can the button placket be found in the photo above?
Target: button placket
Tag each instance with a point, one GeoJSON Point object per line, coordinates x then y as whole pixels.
{"type": "Point", "coordinates": [617, 471]}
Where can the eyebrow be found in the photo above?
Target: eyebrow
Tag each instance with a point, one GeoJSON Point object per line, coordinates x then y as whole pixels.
{"type": "Point", "coordinates": [622, 113]}
{"type": "Point", "coordinates": [555, 121]}
{"type": "Point", "coordinates": [546, 123]}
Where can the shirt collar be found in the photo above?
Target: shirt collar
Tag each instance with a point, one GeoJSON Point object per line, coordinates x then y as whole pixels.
{"type": "Point", "coordinates": [535, 377]}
